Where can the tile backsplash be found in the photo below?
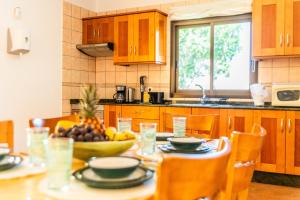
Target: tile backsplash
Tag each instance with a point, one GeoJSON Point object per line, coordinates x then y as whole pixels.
{"type": "Point", "coordinates": [78, 69]}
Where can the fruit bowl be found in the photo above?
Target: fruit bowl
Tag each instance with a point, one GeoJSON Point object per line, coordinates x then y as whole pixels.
{"type": "Point", "coordinates": [86, 150]}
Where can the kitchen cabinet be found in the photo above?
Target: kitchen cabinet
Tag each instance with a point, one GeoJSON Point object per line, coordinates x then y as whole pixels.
{"type": "Point", "coordinates": [98, 30]}
{"type": "Point", "coordinates": [275, 28]}
{"type": "Point", "coordinates": [140, 38]}
{"type": "Point", "coordinates": [293, 142]}
{"type": "Point", "coordinates": [111, 113]}
{"type": "Point", "coordinates": [272, 158]}
{"type": "Point", "coordinates": [236, 120]}
{"type": "Point", "coordinates": [141, 114]}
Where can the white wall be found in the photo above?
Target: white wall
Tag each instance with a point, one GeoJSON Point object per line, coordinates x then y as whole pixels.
{"type": "Point", "coordinates": [31, 85]}
{"type": "Point", "coordinates": [106, 5]}
{"type": "Point", "coordinates": [87, 4]}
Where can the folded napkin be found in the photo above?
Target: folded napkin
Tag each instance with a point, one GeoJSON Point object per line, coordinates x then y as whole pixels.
{"type": "Point", "coordinates": [24, 169]}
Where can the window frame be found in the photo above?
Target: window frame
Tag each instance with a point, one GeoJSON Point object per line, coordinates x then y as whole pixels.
{"type": "Point", "coordinates": [176, 25]}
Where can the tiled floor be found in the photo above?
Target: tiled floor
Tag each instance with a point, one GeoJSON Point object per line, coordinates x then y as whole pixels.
{"type": "Point", "coordinates": [260, 191]}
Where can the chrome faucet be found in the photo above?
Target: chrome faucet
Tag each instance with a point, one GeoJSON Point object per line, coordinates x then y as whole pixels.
{"type": "Point", "coordinates": [203, 93]}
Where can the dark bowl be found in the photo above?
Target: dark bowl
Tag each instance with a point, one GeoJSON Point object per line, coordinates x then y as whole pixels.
{"type": "Point", "coordinates": [114, 167]}
{"type": "Point", "coordinates": [3, 153]}
{"type": "Point", "coordinates": [185, 143]}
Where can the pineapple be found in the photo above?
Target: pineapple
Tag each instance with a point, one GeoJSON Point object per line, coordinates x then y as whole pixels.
{"type": "Point", "coordinates": [88, 106]}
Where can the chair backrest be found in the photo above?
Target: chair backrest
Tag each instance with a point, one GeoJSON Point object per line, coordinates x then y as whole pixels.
{"type": "Point", "coordinates": [51, 122]}
{"type": "Point", "coordinates": [192, 176]}
{"type": "Point", "coordinates": [196, 125]}
{"type": "Point", "coordinates": [246, 148]}
{"type": "Point", "coordinates": [7, 133]}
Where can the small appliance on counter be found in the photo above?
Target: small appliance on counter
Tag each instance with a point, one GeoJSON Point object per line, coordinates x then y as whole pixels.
{"type": "Point", "coordinates": [120, 96]}
{"type": "Point", "coordinates": [286, 94]}
{"type": "Point", "coordinates": [156, 97]}
{"type": "Point", "coordinates": [130, 95]}
{"type": "Point", "coordinates": [259, 94]}
{"type": "Point", "coordinates": [142, 87]}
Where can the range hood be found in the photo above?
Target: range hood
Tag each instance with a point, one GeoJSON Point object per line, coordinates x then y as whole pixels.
{"type": "Point", "coordinates": [96, 50]}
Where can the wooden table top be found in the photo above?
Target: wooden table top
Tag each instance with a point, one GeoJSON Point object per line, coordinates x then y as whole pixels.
{"type": "Point", "coordinates": [26, 188]}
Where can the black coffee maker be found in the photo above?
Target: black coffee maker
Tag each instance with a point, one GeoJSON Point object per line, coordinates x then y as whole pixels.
{"type": "Point", "coordinates": [120, 96]}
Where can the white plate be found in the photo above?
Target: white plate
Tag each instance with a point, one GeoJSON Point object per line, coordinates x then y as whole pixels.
{"type": "Point", "coordinates": [164, 134]}
{"type": "Point", "coordinates": [186, 140]}
{"type": "Point", "coordinates": [113, 162]}
{"type": "Point", "coordinates": [91, 175]}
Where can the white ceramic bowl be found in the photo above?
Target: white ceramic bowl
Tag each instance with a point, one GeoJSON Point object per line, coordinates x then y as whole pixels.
{"type": "Point", "coordinates": [186, 143]}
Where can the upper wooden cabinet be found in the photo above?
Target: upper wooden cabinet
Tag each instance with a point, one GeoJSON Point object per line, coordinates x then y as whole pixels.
{"type": "Point", "coordinates": [98, 30]}
{"type": "Point", "coordinates": [275, 28]}
{"type": "Point", "coordinates": [140, 38]}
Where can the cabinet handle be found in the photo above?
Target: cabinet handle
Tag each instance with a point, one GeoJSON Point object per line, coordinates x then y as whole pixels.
{"type": "Point", "coordinates": [289, 125]}
{"type": "Point", "coordinates": [134, 50]}
{"type": "Point", "coordinates": [94, 33]}
{"type": "Point", "coordinates": [281, 39]}
{"type": "Point", "coordinates": [282, 125]}
{"type": "Point", "coordinates": [288, 40]}
{"type": "Point", "coordinates": [130, 51]}
{"type": "Point", "coordinates": [229, 123]}
{"type": "Point", "coordinates": [99, 32]}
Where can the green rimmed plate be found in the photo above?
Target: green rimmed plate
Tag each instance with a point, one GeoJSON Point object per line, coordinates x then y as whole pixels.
{"type": "Point", "coordinates": [168, 148]}
{"type": "Point", "coordinates": [91, 179]}
{"type": "Point", "coordinates": [9, 162]}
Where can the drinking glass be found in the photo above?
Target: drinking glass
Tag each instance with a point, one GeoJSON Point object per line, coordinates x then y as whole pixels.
{"type": "Point", "coordinates": [148, 138]}
{"type": "Point", "coordinates": [179, 125]}
{"type": "Point", "coordinates": [124, 124]}
{"type": "Point", "coordinates": [59, 162]}
{"type": "Point", "coordinates": [36, 145]}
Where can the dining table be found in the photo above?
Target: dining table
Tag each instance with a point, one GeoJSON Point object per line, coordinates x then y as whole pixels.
{"type": "Point", "coordinates": [27, 188]}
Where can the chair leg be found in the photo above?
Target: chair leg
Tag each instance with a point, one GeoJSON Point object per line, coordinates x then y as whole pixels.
{"type": "Point", "coordinates": [243, 195]}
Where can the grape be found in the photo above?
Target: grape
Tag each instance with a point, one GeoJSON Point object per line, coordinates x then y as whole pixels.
{"type": "Point", "coordinates": [89, 129]}
{"type": "Point", "coordinates": [88, 137]}
{"type": "Point", "coordinates": [61, 129]}
{"type": "Point", "coordinates": [80, 138]}
{"type": "Point", "coordinates": [96, 139]}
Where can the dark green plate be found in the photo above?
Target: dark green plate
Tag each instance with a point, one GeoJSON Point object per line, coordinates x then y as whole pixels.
{"type": "Point", "coordinates": [168, 148]}
{"type": "Point", "coordinates": [87, 176]}
{"type": "Point", "coordinates": [9, 162]}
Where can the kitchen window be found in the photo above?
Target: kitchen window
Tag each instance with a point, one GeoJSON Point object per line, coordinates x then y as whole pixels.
{"type": "Point", "coordinates": [214, 53]}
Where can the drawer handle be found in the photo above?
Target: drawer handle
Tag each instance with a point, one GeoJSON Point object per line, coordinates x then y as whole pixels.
{"type": "Point", "coordinates": [289, 125]}
{"type": "Point", "coordinates": [287, 40]}
{"type": "Point", "coordinates": [229, 123]}
{"type": "Point", "coordinates": [134, 50]}
{"type": "Point", "coordinates": [130, 51]}
{"type": "Point", "coordinates": [281, 39]}
{"type": "Point", "coordinates": [282, 125]}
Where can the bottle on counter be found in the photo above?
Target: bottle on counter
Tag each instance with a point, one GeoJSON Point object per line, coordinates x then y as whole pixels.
{"type": "Point", "coordinates": [147, 96]}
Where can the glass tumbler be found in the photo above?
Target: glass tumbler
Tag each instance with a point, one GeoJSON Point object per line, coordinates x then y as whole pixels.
{"type": "Point", "coordinates": [59, 162]}
{"type": "Point", "coordinates": [148, 137]}
{"type": "Point", "coordinates": [179, 126]}
{"type": "Point", "coordinates": [36, 145]}
{"type": "Point", "coordinates": [124, 124]}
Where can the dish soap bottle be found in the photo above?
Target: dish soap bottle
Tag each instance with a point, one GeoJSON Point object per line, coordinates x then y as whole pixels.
{"type": "Point", "coordinates": [147, 96]}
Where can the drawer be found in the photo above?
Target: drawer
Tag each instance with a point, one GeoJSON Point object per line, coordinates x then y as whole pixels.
{"type": "Point", "coordinates": [136, 124]}
{"type": "Point", "coordinates": [140, 112]}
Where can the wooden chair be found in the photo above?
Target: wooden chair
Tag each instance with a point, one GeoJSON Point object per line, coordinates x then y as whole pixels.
{"type": "Point", "coordinates": [246, 148]}
{"type": "Point", "coordinates": [192, 176]}
{"type": "Point", "coordinates": [51, 122]}
{"type": "Point", "coordinates": [196, 125]}
{"type": "Point", "coordinates": [7, 133]}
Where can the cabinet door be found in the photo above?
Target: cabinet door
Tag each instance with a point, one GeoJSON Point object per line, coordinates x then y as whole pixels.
{"type": "Point", "coordinates": [104, 30]}
{"type": "Point", "coordinates": [144, 37]}
{"type": "Point", "coordinates": [123, 38]}
{"type": "Point", "coordinates": [292, 27]}
{"type": "Point", "coordinates": [136, 124]}
{"type": "Point", "coordinates": [161, 38]}
{"type": "Point", "coordinates": [268, 27]}
{"type": "Point", "coordinates": [239, 120]}
{"type": "Point", "coordinates": [293, 143]}
{"type": "Point", "coordinates": [173, 111]}
{"type": "Point", "coordinates": [111, 113]}
{"type": "Point", "coordinates": [88, 32]}
{"type": "Point", "coordinates": [272, 158]}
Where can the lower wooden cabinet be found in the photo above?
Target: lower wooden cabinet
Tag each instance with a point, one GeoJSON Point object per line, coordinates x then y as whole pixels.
{"type": "Point", "coordinates": [173, 110]}
{"type": "Point", "coordinates": [272, 158]}
{"type": "Point", "coordinates": [111, 113]}
{"type": "Point", "coordinates": [293, 142]}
